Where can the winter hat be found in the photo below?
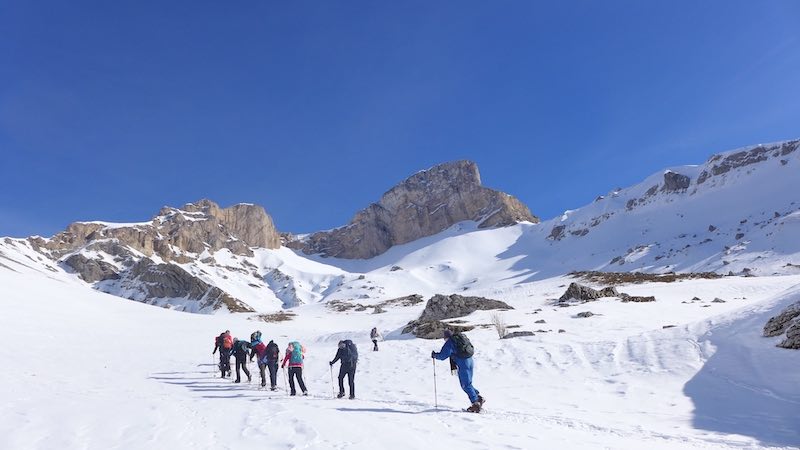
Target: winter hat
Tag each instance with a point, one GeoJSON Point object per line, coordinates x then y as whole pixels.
{"type": "Point", "coordinates": [447, 333]}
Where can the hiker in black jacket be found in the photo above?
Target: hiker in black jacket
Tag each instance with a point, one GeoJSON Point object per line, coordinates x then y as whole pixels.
{"type": "Point", "coordinates": [348, 355]}
{"type": "Point", "coordinates": [240, 351]}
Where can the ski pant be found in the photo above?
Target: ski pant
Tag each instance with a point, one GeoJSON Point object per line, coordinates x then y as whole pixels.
{"type": "Point", "coordinates": [465, 367]}
{"type": "Point", "coordinates": [296, 372]}
{"type": "Point", "coordinates": [273, 373]}
{"type": "Point", "coordinates": [241, 362]}
{"type": "Point", "coordinates": [224, 360]}
{"type": "Point", "coordinates": [350, 371]}
{"type": "Point", "coordinates": [375, 345]}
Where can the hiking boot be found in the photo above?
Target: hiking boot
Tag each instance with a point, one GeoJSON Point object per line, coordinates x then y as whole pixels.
{"type": "Point", "coordinates": [475, 408]}
{"type": "Point", "coordinates": [293, 394]}
{"type": "Point", "coordinates": [249, 378]}
{"type": "Point", "coordinates": [481, 400]}
{"type": "Point", "coordinates": [238, 381]}
{"type": "Point", "coordinates": [305, 393]}
{"type": "Point", "coordinates": [263, 384]}
{"type": "Point", "coordinates": [273, 388]}
{"type": "Point", "coordinates": [341, 394]}
{"type": "Point", "coordinates": [352, 397]}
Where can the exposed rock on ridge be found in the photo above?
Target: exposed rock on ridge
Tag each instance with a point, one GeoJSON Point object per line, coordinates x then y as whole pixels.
{"type": "Point", "coordinates": [175, 235]}
{"type": "Point", "coordinates": [424, 204]}
{"type": "Point", "coordinates": [193, 228]}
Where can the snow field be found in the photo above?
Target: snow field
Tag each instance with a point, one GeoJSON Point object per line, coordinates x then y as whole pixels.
{"type": "Point", "coordinates": [96, 371]}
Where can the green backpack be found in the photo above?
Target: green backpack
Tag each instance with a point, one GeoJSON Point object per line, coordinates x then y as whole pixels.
{"type": "Point", "coordinates": [463, 346]}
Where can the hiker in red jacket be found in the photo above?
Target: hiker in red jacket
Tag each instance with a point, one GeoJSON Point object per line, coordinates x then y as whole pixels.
{"type": "Point", "coordinates": [224, 342]}
{"type": "Point", "coordinates": [295, 353]}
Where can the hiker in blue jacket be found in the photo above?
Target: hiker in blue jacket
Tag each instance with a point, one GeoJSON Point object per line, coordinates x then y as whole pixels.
{"type": "Point", "coordinates": [459, 347]}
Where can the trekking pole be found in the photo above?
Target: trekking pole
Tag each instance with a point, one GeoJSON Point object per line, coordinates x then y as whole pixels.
{"type": "Point", "coordinates": [285, 383]}
{"type": "Point", "coordinates": [435, 394]}
{"type": "Point", "coordinates": [332, 388]}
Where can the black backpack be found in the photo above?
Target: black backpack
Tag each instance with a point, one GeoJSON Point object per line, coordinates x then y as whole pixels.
{"type": "Point", "coordinates": [463, 346]}
{"type": "Point", "coordinates": [219, 341]}
{"type": "Point", "coordinates": [350, 353]}
{"type": "Point", "coordinates": [273, 352]}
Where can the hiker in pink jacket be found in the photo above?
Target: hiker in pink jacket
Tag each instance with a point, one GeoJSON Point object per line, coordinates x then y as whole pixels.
{"type": "Point", "coordinates": [295, 353]}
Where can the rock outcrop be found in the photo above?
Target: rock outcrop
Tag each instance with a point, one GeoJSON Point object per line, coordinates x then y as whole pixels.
{"type": "Point", "coordinates": [118, 258]}
{"type": "Point", "coordinates": [788, 322]}
{"type": "Point", "coordinates": [429, 325]}
{"type": "Point", "coordinates": [91, 270]}
{"type": "Point", "coordinates": [170, 286]}
{"type": "Point", "coordinates": [516, 334]}
{"type": "Point", "coordinates": [424, 204]}
{"type": "Point", "coordinates": [175, 234]}
{"type": "Point", "coordinates": [674, 182]}
{"type": "Point", "coordinates": [580, 293]}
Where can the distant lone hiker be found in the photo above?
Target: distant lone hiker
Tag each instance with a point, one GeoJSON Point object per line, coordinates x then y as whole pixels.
{"type": "Point", "coordinates": [224, 342]}
{"type": "Point", "coordinates": [295, 353]}
{"type": "Point", "coordinates": [348, 354]}
{"type": "Point", "coordinates": [461, 349]}
{"type": "Point", "coordinates": [375, 335]}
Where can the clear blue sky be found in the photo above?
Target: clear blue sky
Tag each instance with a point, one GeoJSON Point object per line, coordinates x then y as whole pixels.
{"type": "Point", "coordinates": [111, 109]}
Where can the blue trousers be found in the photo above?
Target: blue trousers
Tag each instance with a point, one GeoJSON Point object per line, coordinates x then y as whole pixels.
{"type": "Point", "coordinates": [465, 367]}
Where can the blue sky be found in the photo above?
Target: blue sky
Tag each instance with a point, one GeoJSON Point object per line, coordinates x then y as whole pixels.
{"type": "Point", "coordinates": [110, 110]}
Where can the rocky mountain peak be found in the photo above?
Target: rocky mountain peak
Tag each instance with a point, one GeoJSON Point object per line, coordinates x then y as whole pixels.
{"type": "Point", "coordinates": [424, 204]}
{"type": "Point", "coordinates": [175, 234]}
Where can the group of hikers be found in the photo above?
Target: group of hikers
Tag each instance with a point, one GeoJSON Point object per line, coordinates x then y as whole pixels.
{"type": "Point", "coordinates": [457, 348]}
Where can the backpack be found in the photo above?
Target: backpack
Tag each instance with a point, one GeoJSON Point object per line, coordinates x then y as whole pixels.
{"type": "Point", "coordinates": [297, 353]}
{"type": "Point", "coordinates": [241, 347]}
{"type": "Point", "coordinates": [218, 341]}
{"type": "Point", "coordinates": [463, 347]}
{"type": "Point", "coordinates": [350, 353]}
{"type": "Point", "coordinates": [273, 352]}
{"type": "Point", "coordinates": [227, 341]}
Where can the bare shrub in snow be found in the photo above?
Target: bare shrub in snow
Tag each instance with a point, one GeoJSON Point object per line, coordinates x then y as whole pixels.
{"type": "Point", "coordinates": [499, 324]}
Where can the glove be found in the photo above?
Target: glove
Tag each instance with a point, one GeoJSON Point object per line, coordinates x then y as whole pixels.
{"type": "Point", "coordinates": [433, 354]}
{"type": "Point", "coordinates": [330, 362]}
{"type": "Point", "coordinates": [214, 352]}
{"type": "Point", "coordinates": [283, 366]}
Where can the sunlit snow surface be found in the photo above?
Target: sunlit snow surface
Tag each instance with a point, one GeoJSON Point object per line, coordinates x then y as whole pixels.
{"type": "Point", "coordinates": [95, 371]}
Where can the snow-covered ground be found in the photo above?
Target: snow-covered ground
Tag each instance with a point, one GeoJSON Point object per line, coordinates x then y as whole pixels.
{"type": "Point", "coordinates": [95, 371]}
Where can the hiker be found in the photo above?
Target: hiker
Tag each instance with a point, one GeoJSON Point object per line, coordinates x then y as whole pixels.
{"type": "Point", "coordinates": [258, 348]}
{"type": "Point", "coordinates": [295, 353]}
{"type": "Point", "coordinates": [271, 360]}
{"type": "Point", "coordinates": [240, 351]}
{"type": "Point", "coordinates": [461, 349]}
{"type": "Point", "coordinates": [348, 355]}
{"type": "Point", "coordinates": [224, 342]}
{"type": "Point", "coordinates": [268, 355]}
{"type": "Point", "coordinates": [375, 335]}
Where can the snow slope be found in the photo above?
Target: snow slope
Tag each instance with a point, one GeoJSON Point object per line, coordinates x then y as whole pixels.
{"type": "Point", "coordinates": [95, 371]}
